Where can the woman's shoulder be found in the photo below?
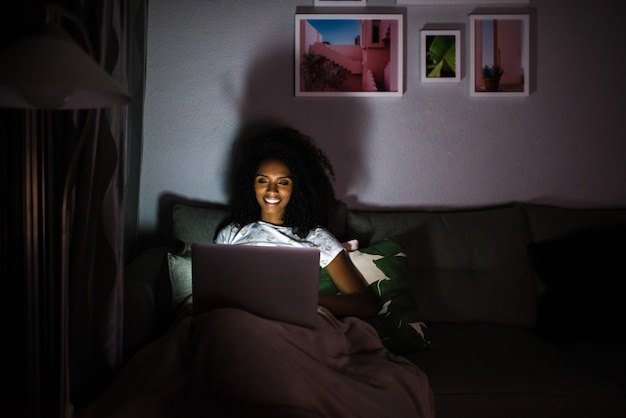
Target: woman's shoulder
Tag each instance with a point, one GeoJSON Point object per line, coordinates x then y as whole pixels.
{"type": "Point", "coordinates": [225, 235]}
{"type": "Point", "coordinates": [322, 231]}
{"type": "Point", "coordinates": [248, 233]}
{"type": "Point", "coordinates": [321, 234]}
{"type": "Point", "coordinates": [229, 227]}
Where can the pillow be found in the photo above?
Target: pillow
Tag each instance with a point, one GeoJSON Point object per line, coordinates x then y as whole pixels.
{"type": "Point", "coordinates": [384, 267]}
{"type": "Point", "coordinates": [196, 223]}
{"type": "Point", "coordinates": [179, 268]}
{"type": "Point", "coordinates": [585, 286]}
{"type": "Point", "coordinates": [190, 224]}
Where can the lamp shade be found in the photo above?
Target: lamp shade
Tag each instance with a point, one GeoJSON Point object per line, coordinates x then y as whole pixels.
{"type": "Point", "coordinates": [51, 72]}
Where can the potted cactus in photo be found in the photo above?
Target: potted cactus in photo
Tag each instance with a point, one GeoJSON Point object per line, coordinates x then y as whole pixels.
{"type": "Point", "coordinates": [491, 77]}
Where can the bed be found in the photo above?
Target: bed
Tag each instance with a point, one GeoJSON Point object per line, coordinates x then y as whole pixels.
{"type": "Point", "coordinates": [229, 362]}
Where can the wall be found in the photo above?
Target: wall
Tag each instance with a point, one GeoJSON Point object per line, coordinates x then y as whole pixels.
{"type": "Point", "coordinates": [214, 64]}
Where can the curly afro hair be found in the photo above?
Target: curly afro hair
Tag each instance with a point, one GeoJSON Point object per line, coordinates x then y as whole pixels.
{"type": "Point", "coordinates": [313, 196]}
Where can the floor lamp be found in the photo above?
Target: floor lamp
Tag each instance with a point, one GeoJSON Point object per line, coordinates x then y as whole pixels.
{"type": "Point", "coordinates": [51, 72]}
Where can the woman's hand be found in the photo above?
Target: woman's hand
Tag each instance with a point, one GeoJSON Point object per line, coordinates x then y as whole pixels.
{"type": "Point", "coordinates": [356, 299]}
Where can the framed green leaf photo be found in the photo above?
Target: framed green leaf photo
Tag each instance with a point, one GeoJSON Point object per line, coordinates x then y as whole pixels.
{"type": "Point", "coordinates": [440, 56]}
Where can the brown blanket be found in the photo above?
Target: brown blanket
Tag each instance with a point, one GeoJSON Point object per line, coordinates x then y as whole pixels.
{"type": "Point", "coordinates": [231, 363]}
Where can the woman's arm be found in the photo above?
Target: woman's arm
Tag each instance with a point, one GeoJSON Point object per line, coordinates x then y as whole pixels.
{"type": "Point", "coordinates": [356, 298]}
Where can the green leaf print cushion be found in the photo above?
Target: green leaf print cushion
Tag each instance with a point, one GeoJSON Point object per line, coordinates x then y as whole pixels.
{"type": "Point", "coordinates": [384, 267]}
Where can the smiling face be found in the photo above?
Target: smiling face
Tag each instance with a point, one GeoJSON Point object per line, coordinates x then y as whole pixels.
{"type": "Point", "coordinates": [273, 186]}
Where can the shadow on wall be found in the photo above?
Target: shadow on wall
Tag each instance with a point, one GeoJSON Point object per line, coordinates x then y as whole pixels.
{"type": "Point", "coordinates": [338, 125]}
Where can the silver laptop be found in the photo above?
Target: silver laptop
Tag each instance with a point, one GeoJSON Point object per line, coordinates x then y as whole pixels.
{"type": "Point", "coordinates": [270, 281]}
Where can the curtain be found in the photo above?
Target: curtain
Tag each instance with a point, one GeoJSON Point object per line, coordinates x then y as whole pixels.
{"type": "Point", "coordinates": [96, 223]}
{"type": "Point", "coordinates": [36, 147]}
{"type": "Point", "coordinates": [97, 246]}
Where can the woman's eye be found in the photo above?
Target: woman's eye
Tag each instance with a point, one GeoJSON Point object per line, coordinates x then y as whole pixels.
{"type": "Point", "coordinates": [283, 183]}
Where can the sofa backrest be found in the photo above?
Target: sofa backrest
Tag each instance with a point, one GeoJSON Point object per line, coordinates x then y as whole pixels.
{"type": "Point", "coordinates": [467, 266]}
{"type": "Point", "coordinates": [579, 256]}
{"type": "Point", "coordinates": [550, 222]}
{"type": "Point", "coordinates": [200, 222]}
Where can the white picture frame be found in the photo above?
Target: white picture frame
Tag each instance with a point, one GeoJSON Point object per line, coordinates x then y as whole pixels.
{"type": "Point", "coordinates": [440, 56]}
{"type": "Point", "coordinates": [472, 2]}
{"type": "Point", "coordinates": [368, 46]}
{"type": "Point", "coordinates": [500, 40]}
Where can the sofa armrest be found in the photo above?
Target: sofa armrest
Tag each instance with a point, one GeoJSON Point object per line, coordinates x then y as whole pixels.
{"type": "Point", "coordinates": [141, 283]}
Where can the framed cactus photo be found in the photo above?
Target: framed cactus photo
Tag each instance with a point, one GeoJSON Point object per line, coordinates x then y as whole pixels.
{"type": "Point", "coordinates": [440, 56]}
{"type": "Point", "coordinates": [349, 54]}
{"type": "Point", "coordinates": [335, 3]}
{"type": "Point", "coordinates": [499, 51]}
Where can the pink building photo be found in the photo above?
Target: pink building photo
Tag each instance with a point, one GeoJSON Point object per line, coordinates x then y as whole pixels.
{"type": "Point", "coordinates": [348, 56]}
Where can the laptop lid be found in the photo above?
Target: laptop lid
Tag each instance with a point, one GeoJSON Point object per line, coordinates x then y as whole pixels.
{"type": "Point", "coordinates": [271, 281]}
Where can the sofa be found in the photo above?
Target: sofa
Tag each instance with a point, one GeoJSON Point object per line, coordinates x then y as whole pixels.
{"type": "Point", "coordinates": [522, 303]}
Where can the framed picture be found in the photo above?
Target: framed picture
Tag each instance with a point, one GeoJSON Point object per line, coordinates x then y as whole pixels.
{"type": "Point", "coordinates": [440, 55]}
{"type": "Point", "coordinates": [333, 3]}
{"type": "Point", "coordinates": [499, 51]}
{"type": "Point", "coordinates": [349, 55]}
{"type": "Point", "coordinates": [473, 2]}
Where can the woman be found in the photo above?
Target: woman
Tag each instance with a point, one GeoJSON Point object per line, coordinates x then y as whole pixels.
{"type": "Point", "coordinates": [228, 362]}
{"type": "Point", "coordinates": [283, 197]}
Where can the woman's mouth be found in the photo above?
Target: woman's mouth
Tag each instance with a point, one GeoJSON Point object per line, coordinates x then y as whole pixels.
{"type": "Point", "coordinates": [271, 200]}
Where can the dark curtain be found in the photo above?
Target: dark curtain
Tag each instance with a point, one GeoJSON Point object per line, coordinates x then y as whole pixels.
{"type": "Point", "coordinates": [96, 237]}
{"type": "Point", "coordinates": [108, 179]}
{"type": "Point", "coordinates": [36, 148]}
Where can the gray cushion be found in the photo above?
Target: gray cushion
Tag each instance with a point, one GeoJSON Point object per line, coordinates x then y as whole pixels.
{"type": "Point", "coordinates": [179, 268]}
{"type": "Point", "coordinates": [473, 266]}
{"type": "Point", "coordinates": [196, 224]}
